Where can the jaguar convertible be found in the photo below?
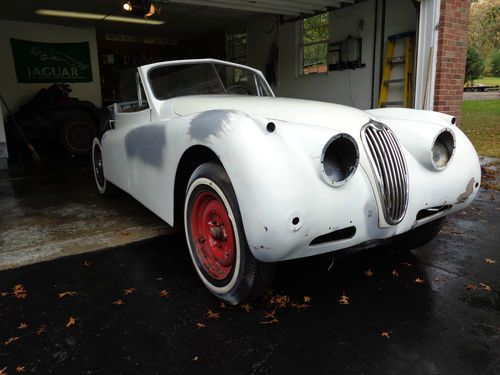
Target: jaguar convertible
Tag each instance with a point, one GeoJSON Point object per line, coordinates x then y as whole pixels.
{"type": "Point", "coordinates": [255, 179]}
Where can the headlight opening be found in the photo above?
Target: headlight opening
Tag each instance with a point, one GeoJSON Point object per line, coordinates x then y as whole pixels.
{"type": "Point", "coordinates": [443, 149]}
{"type": "Point", "coordinates": [339, 159]}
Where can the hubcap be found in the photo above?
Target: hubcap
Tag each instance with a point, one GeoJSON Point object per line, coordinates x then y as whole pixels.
{"type": "Point", "coordinates": [212, 230]}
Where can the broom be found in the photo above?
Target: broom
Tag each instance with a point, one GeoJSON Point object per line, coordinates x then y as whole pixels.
{"type": "Point", "coordinates": [34, 154]}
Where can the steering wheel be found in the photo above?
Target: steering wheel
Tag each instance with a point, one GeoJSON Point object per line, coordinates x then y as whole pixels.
{"type": "Point", "coordinates": [239, 87]}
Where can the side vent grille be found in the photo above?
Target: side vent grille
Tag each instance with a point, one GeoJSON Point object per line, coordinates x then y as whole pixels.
{"type": "Point", "coordinates": [390, 169]}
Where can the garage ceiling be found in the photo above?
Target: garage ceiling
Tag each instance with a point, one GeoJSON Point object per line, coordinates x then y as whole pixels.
{"type": "Point", "coordinates": [183, 18]}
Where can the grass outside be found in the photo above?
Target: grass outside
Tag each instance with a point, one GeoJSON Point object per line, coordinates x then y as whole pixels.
{"type": "Point", "coordinates": [481, 123]}
{"type": "Point", "coordinates": [488, 81]}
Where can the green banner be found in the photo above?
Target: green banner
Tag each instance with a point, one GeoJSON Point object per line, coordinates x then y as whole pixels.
{"type": "Point", "coordinates": [38, 62]}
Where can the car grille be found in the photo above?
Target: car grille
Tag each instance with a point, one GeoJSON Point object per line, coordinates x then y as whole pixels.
{"type": "Point", "coordinates": [389, 166]}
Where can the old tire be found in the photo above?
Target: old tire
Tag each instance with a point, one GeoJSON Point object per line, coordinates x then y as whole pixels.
{"type": "Point", "coordinates": [76, 134]}
{"type": "Point", "coordinates": [105, 188]}
{"type": "Point", "coordinates": [216, 239]}
{"type": "Point", "coordinates": [419, 236]}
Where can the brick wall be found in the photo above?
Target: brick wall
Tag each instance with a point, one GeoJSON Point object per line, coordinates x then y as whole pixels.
{"type": "Point", "coordinates": [452, 53]}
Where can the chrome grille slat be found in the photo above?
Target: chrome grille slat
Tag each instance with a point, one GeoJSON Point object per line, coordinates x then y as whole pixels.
{"type": "Point", "coordinates": [390, 169]}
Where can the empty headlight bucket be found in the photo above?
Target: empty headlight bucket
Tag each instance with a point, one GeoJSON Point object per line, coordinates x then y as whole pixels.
{"type": "Point", "coordinates": [339, 159]}
{"type": "Point", "coordinates": [443, 149]}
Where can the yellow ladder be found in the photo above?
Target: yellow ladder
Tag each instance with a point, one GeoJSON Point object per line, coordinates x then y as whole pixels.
{"type": "Point", "coordinates": [389, 62]}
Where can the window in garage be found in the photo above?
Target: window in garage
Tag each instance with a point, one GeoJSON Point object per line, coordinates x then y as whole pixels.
{"type": "Point", "coordinates": [313, 44]}
{"type": "Point", "coordinates": [237, 48]}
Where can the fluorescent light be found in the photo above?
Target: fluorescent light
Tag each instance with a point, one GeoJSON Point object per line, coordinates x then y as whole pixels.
{"type": "Point", "coordinates": [96, 16]}
{"type": "Point", "coordinates": [64, 13]}
{"type": "Point", "coordinates": [134, 20]}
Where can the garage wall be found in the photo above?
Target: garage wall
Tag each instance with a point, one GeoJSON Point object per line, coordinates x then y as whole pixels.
{"type": "Point", "coordinates": [18, 93]}
{"type": "Point", "coordinates": [349, 87]}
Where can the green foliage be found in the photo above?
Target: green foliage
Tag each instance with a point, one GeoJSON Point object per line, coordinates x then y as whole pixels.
{"type": "Point", "coordinates": [495, 64]}
{"type": "Point", "coordinates": [481, 123]}
{"type": "Point", "coordinates": [474, 65]}
{"type": "Point", "coordinates": [315, 39]}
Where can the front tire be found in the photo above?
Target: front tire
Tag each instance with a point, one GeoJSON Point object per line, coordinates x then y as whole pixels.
{"type": "Point", "coordinates": [105, 188]}
{"type": "Point", "coordinates": [216, 239]}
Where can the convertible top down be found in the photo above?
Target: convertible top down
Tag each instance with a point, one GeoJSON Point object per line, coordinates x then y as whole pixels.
{"type": "Point", "coordinates": [257, 179]}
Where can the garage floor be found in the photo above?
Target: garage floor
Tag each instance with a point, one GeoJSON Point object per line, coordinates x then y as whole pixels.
{"type": "Point", "coordinates": [140, 309]}
{"type": "Point", "coordinates": [48, 213]}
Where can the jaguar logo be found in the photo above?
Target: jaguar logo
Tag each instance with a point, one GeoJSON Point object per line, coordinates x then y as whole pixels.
{"type": "Point", "coordinates": [53, 55]}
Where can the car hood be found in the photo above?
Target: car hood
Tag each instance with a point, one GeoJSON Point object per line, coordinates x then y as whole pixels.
{"type": "Point", "coordinates": [327, 115]}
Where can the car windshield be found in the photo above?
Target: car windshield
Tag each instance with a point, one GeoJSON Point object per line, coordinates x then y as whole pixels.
{"type": "Point", "coordinates": [170, 81]}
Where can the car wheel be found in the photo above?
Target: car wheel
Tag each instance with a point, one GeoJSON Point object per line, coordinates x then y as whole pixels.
{"type": "Point", "coordinates": [419, 236]}
{"type": "Point", "coordinates": [77, 133]}
{"type": "Point", "coordinates": [105, 188]}
{"type": "Point", "coordinates": [216, 239]}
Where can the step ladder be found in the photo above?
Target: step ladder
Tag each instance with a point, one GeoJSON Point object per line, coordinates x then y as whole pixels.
{"type": "Point", "coordinates": [388, 82]}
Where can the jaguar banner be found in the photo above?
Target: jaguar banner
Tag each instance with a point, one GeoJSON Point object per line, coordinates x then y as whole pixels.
{"type": "Point", "coordinates": [38, 62]}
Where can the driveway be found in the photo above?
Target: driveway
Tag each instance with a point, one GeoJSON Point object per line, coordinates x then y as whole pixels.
{"type": "Point", "coordinates": [140, 309]}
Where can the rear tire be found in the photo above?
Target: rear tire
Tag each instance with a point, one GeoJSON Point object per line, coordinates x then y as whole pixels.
{"type": "Point", "coordinates": [216, 239]}
{"type": "Point", "coordinates": [77, 133]}
{"type": "Point", "coordinates": [105, 188]}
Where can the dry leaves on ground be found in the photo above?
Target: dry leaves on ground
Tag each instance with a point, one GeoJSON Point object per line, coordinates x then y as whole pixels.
{"type": "Point", "coordinates": [485, 287]}
{"type": "Point", "coordinates": [67, 294]}
{"type": "Point", "coordinates": [195, 359]}
{"type": "Point", "coordinates": [200, 325]}
{"type": "Point", "coordinates": [41, 330]}
{"type": "Point", "coordinates": [418, 280]}
{"type": "Point", "coordinates": [386, 334]}
{"type": "Point", "coordinates": [395, 273]}
{"type": "Point", "coordinates": [19, 292]}
{"type": "Point", "coordinates": [490, 261]}
{"type": "Point", "coordinates": [3, 371]}
{"type": "Point", "coordinates": [344, 300]}
{"type": "Point", "coordinates": [20, 369]}
{"type": "Point", "coordinates": [246, 307]}
{"type": "Point", "coordinates": [118, 302]}
{"type": "Point", "coordinates": [164, 293]}
{"type": "Point", "coordinates": [71, 322]}
{"type": "Point", "coordinates": [11, 340]}
{"type": "Point", "coordinates": [212, 314]}
{"type": "Point", "coordinates": [22, 325]}
{"type": "Point", "coordinates": [87, 263]}
{"type": "Point", "coordinates": [129, 291]}
{"type": "Point", "coordinates": [270, 317]}
{"type": "Point", "coordinates": [369, 273]}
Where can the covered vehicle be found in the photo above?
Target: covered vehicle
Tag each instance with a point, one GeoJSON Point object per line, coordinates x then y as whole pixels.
{"type": "Point", "coordinates": [257, 179]}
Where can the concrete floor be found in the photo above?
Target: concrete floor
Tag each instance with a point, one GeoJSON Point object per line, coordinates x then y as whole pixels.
{"type": "Point", "coordinates": [46, 214]}
{"type": "Point", "coordinates": [141, 309]}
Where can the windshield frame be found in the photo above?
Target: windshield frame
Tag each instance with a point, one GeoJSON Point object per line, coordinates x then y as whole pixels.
{"type": "Point", "coordinates": [213, 62]}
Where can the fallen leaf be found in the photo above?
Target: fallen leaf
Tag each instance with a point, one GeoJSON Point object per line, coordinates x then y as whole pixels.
{"type": "Point", "coordinates": [64, 294]}
{"type": "Point", "coordinates": [212, 314]}
{"type": "Point", "coordinates": [71, 322]}
{"type": "Point", "coordinates": [195, 359]}
{"type": "Point", "coordinates": [20, 369]}
{"type": "Point", "coordinates": [129, 291]}
{"type": "Point", "coordinates": [222, 305]}
{"type": "Point", "coordinates": [41, 330]}
{"type": "Point", "coordinates": [87, 263]}
{"type": "Point", "coordinates": [485, 287]}
{"type": "Point", "coordinates": [279, 300]}
{"type": "Point", "coordinates": [19, 292]}
{"type": "Point", "coordinates": [270, 316]}
{"type": "Point", "coordinates": [246, 307]}
{"type": "Point", "coordinates": [22, 326]}
{"type": "Point", "coordinates": [164, 293]}
{"type": "Point", "coordinates": [369, 273]}
{"type": "Point", "coordinates": [118, 302]}
{"type": "Point", "coordinates": [406, 264]}
{"type": "Point", "coordinates": [11, 340]}
{"type": "Point", "coordinates": [3, 371]}
{"type": "Point", "coordinates": [395, 273]}
{"type": "Point", "coordinates": [386, 334]}
{"type": "Point", "coordinates": [3, 294]}
{"type": "Point", "coordinates": [471, 286]}
{"type": "Point", "coordinates": [200, 325]}
{"type": "Point", "coordinates": [307, 299]}
{"type": "Point", "coordinates": [300, 305]}
{"type": "Point", "coordinates": [344, 300]}
{"type": "Point", "coordinates": [490, 261]}
{"type": "Point", "coordinates": [418, 280]}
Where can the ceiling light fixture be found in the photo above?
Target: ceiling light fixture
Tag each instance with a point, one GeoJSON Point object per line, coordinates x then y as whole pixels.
{"type": "Point", "coordinates": [96, 16]}
{"type": "Point", "coordinates": [140, 7]}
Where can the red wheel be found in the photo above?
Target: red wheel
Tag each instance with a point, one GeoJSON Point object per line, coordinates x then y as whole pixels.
{"type": "Point", "coordinates": [216, 238]}
{"type": "Point", "coordinates": [213, 231]}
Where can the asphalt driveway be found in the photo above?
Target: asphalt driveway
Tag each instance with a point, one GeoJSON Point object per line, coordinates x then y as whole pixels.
{"type": "Point", "coordinates": [141, 309]}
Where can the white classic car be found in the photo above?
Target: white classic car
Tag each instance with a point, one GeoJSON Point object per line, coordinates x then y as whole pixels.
{"type": "Point", "coordinates": [257, 179]}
